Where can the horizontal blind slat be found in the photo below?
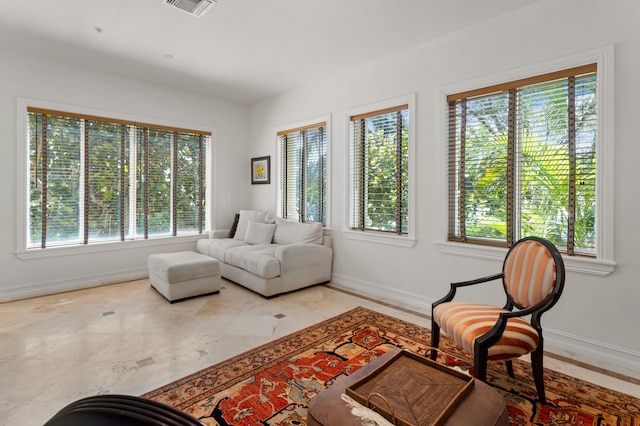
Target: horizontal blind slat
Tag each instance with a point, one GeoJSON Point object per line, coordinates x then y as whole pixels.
{"type": "Point", "coordinates": [301, 128]}
{"type": "Point", "coordinates": [571, 72]}
{"type": "Point", "coordinates": [51, 112]}
{"type": "Point", "coordinates": [379, 112]}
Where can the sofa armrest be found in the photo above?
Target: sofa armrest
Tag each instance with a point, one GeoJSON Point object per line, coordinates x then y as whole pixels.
{"type": "Point", "coordinates": [219, 233]}
{"type": "Point", "coordinates": [303, 264]}
{"type": "Point", "coordinates": [303, 253]}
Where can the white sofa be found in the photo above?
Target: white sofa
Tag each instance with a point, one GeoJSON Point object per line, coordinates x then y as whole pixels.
{"type": "Point", "coordinates": [271, 257]}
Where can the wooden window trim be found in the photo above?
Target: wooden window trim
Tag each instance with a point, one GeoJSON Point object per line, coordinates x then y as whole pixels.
{"type": "Point", "coordinates": [45, 111]}
{"type": "Point", "coordinates": [379, 112]}
{"type": "Point", "coordinates": [302, 128]}
{"type": "Point", "coordinates": [570, 72]}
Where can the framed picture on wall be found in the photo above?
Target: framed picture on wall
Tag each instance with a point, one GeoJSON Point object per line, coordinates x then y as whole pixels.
{"type": "Point", "coordinates": [261, 170]}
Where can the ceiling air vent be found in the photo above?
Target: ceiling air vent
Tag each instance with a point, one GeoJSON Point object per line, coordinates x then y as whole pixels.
{"type": "Point", "coordinates": [192, 7]}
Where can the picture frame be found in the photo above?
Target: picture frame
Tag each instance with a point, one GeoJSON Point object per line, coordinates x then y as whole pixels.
{"type": "Point", "coordinates": [261, 170]}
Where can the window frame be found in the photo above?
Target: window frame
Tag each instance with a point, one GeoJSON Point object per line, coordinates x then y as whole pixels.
{"type": "Point", "coordinates": [22, 182]}
{"type": "Point", "coordinates": [405, 240]}
{"type": "Point", "coordinates": [603, 263]}
{"type": "Point", "coordinates": [292, 127]}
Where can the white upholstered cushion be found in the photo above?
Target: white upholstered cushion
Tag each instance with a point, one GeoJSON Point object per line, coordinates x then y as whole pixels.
{"type": "Point", "coordinates": [288, 232]}
{"type": "Point", "coordinates": [259, 233]}
{"type": "Point", "coordinates": [182, 266]}
{"type": "Point", "coordinates": [258, 259]}
{"type": "Point", "coordinates": [245, 217]}
{"type": "Point", "coordinates": [217, 248]}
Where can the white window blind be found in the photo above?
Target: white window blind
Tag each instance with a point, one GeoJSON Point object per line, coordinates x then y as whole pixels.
{"type": "Point", "coordinates": [522, 161]}
{"type": "Point", "coordinates": [302, 163]}
{"type": "Point", "coordinates": [106, 190]}
{"type": "Point", "coordinates": [90, 177]}
{"type": "Point", "coordinates": [189, 182]}
{"type": "Point", "coordinates": [379, 166]}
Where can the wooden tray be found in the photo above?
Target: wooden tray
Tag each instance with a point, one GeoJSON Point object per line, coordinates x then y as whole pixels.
{"type": "Point", "coordinates": [416, 390]}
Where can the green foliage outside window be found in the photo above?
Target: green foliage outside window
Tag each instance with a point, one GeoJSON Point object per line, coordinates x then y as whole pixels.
{"type": "Point", "coordinates": [549, 161]}
{"type": "Point", "coordinates": [380, 165]}
{"type": "Point", "coordinates": [302, 162]}
{"type": "Point", "coordinates": [87, 169]}
{"type": "Point", "coordinates": [105, 196]}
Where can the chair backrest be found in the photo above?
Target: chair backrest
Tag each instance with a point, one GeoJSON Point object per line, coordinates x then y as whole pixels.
{"type": "Point", "coordinates": [533, 272]}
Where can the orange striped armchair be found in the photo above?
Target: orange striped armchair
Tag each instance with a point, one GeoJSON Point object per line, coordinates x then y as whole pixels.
{"type": "Point", "coordinates": [533, 279]}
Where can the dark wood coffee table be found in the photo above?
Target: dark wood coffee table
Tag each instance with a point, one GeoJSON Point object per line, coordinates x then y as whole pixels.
{"type": "Point", "coordinates": [481, 406]}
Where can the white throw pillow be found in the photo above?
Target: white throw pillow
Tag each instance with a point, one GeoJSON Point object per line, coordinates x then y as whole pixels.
{"type": "Point", "coordinates": [245, 217]}
{"type": "Point", "coordinates": [259, 233]}
{"type": "Point", "coordinates": [288, 232]}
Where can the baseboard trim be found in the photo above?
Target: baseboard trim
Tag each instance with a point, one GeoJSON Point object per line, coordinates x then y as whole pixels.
{"type": "Point", "coordinates": [403, 299]}
{"type": "Point", "coordinates": [44, 288]}
{"type": "Point", "coordinates": [576, 348]}
{"type": "Point", "coordinates": [592, 352]}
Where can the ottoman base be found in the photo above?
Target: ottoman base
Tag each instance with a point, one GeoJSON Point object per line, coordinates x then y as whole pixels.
{"type": "Point", "coordinates": [183, 275]}
{"type": "Point", "coordinates": [177, 292]}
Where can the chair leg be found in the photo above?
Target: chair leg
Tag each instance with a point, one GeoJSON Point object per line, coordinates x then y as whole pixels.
{"type": "Point", "coordinates": [509, 365]}
{"type": "Point", "coordinates": [480, 364]}
{"type": "Point", "coordinates": [435, 339]}
{"type": "Point", "coordinates": [538, 373]}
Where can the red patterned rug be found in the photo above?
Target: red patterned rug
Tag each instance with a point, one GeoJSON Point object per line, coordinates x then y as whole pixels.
{"type": "Point", "coordinates": [271, 385]}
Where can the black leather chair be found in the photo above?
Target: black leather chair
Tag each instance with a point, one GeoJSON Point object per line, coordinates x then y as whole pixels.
{"type": "Point", "coordinates": [121, 410]}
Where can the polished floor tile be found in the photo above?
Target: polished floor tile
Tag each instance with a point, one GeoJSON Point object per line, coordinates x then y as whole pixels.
{"type": "Point", "coordinates": [125, 338]}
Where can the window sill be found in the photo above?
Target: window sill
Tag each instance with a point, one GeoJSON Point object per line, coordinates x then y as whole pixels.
{"type": "Point", "coordinates": [380, 238]}
{"type": "Point", "coordinates": [581, 265]}
{"type": "Point", "coordinates": [105, 247]}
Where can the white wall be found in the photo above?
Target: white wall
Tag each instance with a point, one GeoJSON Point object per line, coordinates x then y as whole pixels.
{"type": "Point", "coordinates": [596, 318]}
{"type": "Point", "coordinates": [30, 77]}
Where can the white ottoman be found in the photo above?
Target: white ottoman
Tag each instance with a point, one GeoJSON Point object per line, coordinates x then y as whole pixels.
{"type": "Point", "coordinates": [185, 274]}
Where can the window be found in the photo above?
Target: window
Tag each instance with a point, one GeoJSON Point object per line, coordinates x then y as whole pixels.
{"type": "Point", "coordinates": [95, 179]}
{"type": "Point", "coordinates": [302, 168]}
{"type": "Point", "coordinates": [522, 161]}
{"type": "Point", "coordinates": [379, 168]}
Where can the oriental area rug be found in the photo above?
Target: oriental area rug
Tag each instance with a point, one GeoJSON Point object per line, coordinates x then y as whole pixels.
{"type": "Point", "coordinates": [272, 384]}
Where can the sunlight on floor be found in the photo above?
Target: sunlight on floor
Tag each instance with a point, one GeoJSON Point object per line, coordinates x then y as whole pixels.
{"type": "Point", "coordinates": [125, 338]}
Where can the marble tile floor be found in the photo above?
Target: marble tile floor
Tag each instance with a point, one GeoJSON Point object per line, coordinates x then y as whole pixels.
{"type": "Point", "coordinates": [125, 338]}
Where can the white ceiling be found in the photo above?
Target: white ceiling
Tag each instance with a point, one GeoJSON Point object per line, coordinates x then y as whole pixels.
{"type": "Point", "coordinates": [243, 50]}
